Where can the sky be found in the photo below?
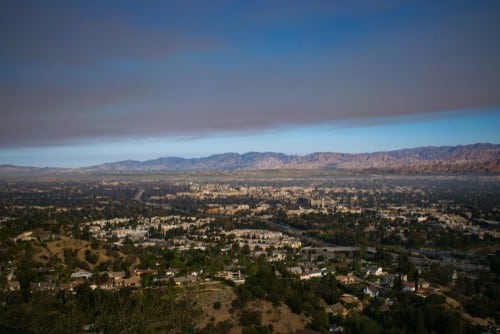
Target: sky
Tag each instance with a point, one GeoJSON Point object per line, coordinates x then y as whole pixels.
{"type": "Point", "coordinates": [86, 82]}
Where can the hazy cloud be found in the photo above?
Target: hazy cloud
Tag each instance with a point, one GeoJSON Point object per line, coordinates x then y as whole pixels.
{"type": "Point", "coordinates": [118, 70]}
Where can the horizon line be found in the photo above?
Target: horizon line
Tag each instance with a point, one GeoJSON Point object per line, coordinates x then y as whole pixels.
{"type": "Point", "coordinates": [249, 152]}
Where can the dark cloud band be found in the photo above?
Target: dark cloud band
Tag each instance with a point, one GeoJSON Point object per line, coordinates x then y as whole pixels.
{"type": "Point", "coordinates": [72, 72]}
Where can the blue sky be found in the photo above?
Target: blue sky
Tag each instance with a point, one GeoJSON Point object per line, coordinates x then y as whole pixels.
{"type": "Point", "coordinates": [85, 82]}
{"type": "Point", "coordinates": [395, 134]}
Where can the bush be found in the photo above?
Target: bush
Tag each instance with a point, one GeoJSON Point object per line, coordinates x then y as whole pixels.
{"type": "Point", "coordinates": [250, 318]}
{"type": "Point", "coordinates": [94, 244]}
{"type": "Point", "coordinates": [477, 307]}
{"type": "Point", "coordinates": [91, 257]}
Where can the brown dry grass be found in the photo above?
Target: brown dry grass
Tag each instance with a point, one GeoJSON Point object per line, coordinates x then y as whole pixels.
{"type": "Point", "coordinates": [455, 305]}
{"type": "Point", "coordinates": [56, 248]}
{"type": "Point", "coordinates": [206, 298]}
{"type": "Point", "coordinates": [280, 317]}
{"type": "Point", "coordinates": [476, 321]}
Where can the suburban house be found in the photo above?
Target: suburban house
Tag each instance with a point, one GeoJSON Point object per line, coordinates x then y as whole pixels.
{"type": "Point", "coordinates": [339, 309]}
{"type": "Point", "coordinates": [42, 286]}
{"type": "Point", "coordinates": [25, 236]}
{"type": "Point", "coordinates": [373, 271]}
{"type": "Point", "coordinates": [185, 280]}
{"type": "Point", "coordinates": [83, 274]}
{"type": "Point", "coordinates": [70, 285]}
{"type": "Point", "coordinates": [371, 291]}
{"type": "Point", "coordinates": [109, 284]}
{"type": "Point", "coordinates": [132, 282]}
{"type": "Point", "coordinates": [116, 274]}
{"type": "Point", "coordinates": [351, 301]}
{"type": "Point", "coordinates": [346, 280]}
{"type": "Point", "coordinates": [309, 275]}
{"type": "Point", "coordinates": [232, 274]}
{"type": "Point", "coordinates": [12, 286]}
{"type": "Point", "coordinates": [387, 281]}
{"type": "Point", "coordinates": [296, 270]}
{"type": "Point", "coordinates": [423, 284]}
{"type": "Point", "coordinates": [408, 286]}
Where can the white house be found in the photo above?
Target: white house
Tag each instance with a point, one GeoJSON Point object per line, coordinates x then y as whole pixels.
{"type": "Point", "coordinates": [375, 271]}
{"type": "Point", "coordinates": [309, 275]}
{"type": "Point", "coordinates": [81, 274]}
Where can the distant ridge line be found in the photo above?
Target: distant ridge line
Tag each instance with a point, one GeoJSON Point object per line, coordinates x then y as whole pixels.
{"type": "Point", "coordinates": [480, 158]}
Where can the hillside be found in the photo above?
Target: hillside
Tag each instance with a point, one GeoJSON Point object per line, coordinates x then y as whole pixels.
{"type": "Point", "coordinates": [476, 158]}
{"type": "Point", "coordinates": [469, 158]}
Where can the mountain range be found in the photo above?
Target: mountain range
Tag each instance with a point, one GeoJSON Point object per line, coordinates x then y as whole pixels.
{"type": "Point", "coordinates": [481, 158]}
